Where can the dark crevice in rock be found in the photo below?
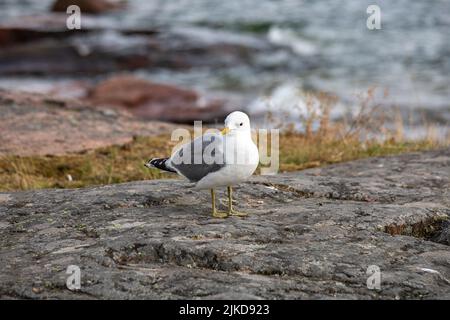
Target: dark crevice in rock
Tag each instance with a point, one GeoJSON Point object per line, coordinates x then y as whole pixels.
{"type": "Point", "coordinates": [443, 234]}
{"type": "Point", "coordinates": [161, 253]}
{"type": "Point", "coordinates": [436, 229]}
{"type": "Point", "coordinates": [152, 201]}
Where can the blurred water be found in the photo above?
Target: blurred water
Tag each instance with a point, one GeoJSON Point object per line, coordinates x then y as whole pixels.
{"type": "Point", "coordinates": [409, 56]}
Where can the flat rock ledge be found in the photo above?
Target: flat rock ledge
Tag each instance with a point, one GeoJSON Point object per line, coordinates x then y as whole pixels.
{"type": "Point", "coordinates": [311, 235]}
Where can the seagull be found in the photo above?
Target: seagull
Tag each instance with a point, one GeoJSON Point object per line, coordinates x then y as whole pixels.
{"type": "Point", "coordinates": [216, 160]}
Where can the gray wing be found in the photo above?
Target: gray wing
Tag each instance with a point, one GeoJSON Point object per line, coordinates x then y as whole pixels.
{"type": "Point", "coordinates": [200, 157]}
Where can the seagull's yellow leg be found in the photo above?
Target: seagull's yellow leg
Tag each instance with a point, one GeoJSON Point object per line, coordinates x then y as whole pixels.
{"type": "Point", "coordinates": [215, 213]}
{"type": "Point", "coordinates": [231, 211]}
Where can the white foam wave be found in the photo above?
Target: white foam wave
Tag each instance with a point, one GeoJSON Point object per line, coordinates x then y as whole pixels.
{"type": "Point", "coordinates": [289, 38]}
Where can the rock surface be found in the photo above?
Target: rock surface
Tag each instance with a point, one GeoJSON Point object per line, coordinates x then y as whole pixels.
{"type": "Point", "coordinates": [155, 101]}
{"type": "Point", "coordinates": [33, 124]}
{"type": "Point", "coordinates": [311, 234]}
{"type": "Point", "coordinates": [87, 6]}
{"type": "Point", "coordinates": [37, 45]}
{"type": "Point", "coordinates": [32, 28]}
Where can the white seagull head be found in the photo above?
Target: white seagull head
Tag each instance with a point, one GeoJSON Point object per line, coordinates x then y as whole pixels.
{"type": "Point", "coordinates": [236, 121]}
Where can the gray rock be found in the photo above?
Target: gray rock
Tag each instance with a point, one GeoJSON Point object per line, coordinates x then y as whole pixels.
{"type": "Point", "coordinates": [311, 234]}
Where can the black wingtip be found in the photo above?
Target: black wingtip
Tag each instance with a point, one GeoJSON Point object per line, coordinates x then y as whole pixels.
{"type": "Point", "coordinates": [159, 163]}
{"type": "Point", "coordinates": [148, 164]}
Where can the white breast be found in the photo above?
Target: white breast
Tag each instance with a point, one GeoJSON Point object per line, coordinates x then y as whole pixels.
{"type": "Point", "coordinates": [241, 159]}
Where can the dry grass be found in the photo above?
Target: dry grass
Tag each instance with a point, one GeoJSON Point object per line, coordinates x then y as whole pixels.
{"type": "Point", "coordinates": [359, 135]}
{"type": "Point", "coordinates": [298, 152]}
{"type": "Point", "coordinates": [321, 142]}
{"type": "Point", "coordinates": [113, 164]}
{"type": "Point", "coordinates": [121, 164]}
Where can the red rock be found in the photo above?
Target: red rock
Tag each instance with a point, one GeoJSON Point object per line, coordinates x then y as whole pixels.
{"type": "Point", "coordinates": [29, 28]}
{"type": "Point", "coordinates": [38, 44]}
{"type": "Point", "coordinates": [88, 6]}
{"type": "Point", "coordinates": [36, 124]}
{"type": "Point", "coordinates": [155, 101]}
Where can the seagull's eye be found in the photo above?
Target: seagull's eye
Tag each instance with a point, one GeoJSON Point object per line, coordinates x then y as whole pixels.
{"type": "Point", "coordinates": [241, 124]}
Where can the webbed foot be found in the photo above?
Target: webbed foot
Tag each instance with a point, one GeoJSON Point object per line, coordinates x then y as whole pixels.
{"type": "Point", "coordinates": [220, 214]}
{"type": "Point", "coordinates": [237, 213]}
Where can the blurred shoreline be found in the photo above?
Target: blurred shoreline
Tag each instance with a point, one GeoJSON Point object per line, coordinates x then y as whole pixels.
{"type": "Point", "coordinates": [258, 58]}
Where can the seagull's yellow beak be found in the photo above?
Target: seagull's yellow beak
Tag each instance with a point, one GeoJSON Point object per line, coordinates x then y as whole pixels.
{"type": "Point", "coordinates": [225, 131]}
